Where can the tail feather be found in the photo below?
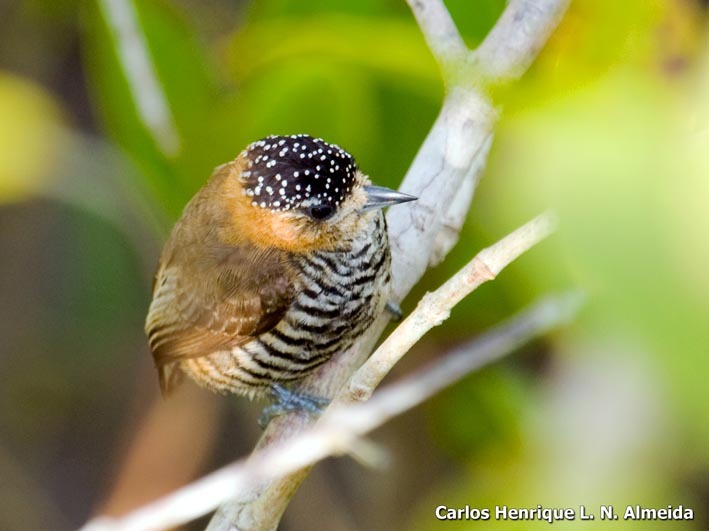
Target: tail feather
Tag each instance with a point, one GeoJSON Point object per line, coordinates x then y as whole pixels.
{"type": "Point", "coordinates": [170, 376]}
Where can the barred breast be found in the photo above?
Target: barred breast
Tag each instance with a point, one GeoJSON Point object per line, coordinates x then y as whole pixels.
{"type": "Point", "coordinates": [342, 292]}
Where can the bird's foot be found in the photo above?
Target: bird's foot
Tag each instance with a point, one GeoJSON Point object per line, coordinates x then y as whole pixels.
{"type": "Point", "coordinates": [394, 311]}
{"type": "Point", "coordinates": [287, 401]}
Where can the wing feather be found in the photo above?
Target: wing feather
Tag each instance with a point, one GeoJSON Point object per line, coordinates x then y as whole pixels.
{"type": "Point", "coordinates": [205, 307]}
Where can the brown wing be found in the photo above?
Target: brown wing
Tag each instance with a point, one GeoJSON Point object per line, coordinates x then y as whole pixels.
{"type": "Point", "coordinates": [199, 308]}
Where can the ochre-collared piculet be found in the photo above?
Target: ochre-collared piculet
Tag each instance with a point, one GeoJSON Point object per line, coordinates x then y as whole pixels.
{"type": "Point", "coordinates": [278, 263]}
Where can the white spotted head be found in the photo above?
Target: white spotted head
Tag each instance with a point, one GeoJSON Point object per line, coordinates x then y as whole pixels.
{"type": "Point", "coordinates": [303, 193]}
{"type": "Point", "coordinates": [301, 173]}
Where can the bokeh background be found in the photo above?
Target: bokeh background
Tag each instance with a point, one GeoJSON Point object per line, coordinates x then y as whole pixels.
{"type": "Point", "coordinates": [609, 128]}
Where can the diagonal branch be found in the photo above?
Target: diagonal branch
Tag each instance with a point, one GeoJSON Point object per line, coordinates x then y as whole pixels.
{"type": "Point", "coordinates": [435, 307]}
{"type": "Point", "coordinates": [440, 31]}
{"type": "Point", "coordinates": [341, 428]}
{"type": "Point", "coordinates": [516, 39]}
{"type": "Point", "coordinates": [546, 314]}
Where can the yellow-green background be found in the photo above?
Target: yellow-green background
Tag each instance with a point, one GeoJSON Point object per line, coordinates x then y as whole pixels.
{"type": "Point", "coordinates": [609, 129]}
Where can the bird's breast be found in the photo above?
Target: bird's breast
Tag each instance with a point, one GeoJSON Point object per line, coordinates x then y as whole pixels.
{"type": "Point", "coordinates": [341, 293]}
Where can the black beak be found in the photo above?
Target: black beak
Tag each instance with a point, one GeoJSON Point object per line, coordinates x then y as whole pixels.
{"type": "Point", "coordinates": [380, 197]}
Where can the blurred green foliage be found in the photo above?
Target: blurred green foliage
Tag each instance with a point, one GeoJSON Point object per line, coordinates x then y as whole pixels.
{"type": "Point", "coordinates": [28, 114]}
{"type": "Point", "coordinates": [358, 74]}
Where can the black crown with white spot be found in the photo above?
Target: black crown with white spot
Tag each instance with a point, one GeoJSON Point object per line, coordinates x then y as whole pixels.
{"type": "Point", "coordinates": [296, 172]}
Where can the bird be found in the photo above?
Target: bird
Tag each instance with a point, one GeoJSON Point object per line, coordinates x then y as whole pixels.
{"type": "Point", "coordinates": [279, 262]}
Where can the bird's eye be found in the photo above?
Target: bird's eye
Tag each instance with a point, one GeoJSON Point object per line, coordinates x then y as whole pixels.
{"type": "Point", "coordinates": [321, 212]}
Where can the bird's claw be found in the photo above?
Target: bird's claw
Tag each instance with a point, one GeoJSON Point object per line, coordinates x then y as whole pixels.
{"type": "Point", "coordinates": [395, 311]}
{"type": "Point", "coordinates": [287, 401]}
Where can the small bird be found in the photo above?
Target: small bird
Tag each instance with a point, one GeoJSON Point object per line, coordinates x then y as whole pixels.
{"type": "Point", "coordinates": [278, 263]}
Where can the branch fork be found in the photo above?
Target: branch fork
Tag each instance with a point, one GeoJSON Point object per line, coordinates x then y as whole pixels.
{"type": "Point", "coordinates": [444, 174]}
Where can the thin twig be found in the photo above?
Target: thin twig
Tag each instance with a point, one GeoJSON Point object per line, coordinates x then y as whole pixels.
{"type": "Point", "coordinates": [341, 427]}
{"type": "Point", "coordinates": [434, 308]}
{"type": "Point", "coordinates": [133, 54]}
{"type": "Point", "coordinates": [492, 345]}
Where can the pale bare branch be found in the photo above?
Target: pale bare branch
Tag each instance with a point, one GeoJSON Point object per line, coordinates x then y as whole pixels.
{"type": "Point", "coordinates": [460, 134]}
{"type": "Point", "coordinates": [514, 42]}
{"type": "Point", "coordinates": [435, 307]}
{"type": "Point", "coordinates": [454, 217]}
{"type": "Point", "coordinates": [342, 426]}
{"type": "Point", "coordinates": [440, 31]}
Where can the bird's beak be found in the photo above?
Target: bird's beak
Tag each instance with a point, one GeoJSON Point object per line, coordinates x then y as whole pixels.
{"type": "Point", "coordinates": [380, 197]}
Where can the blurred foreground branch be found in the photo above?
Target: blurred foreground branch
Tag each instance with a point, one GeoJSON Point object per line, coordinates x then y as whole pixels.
{"type": "Point", "coordinates": [340, 429]}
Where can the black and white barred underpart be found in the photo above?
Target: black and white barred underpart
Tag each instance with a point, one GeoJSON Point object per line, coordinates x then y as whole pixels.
{"type": "Point", "coordinates": [342, 293]}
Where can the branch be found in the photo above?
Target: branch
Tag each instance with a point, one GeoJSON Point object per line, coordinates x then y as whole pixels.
{"type": "Point", "coordinates": [542, 317]}
{"type": "Point", "coordinates": [453, 155]}
{"type": "Point", "coordinates": [439, 31]}
{"type": "Point", "coordinates": [451, 159]}
{"type": "Point", "coordinates": [435, 307]}
{"type": "Point", "coordinates": [453, 217]}
{"type": "Point", "coordinates": [514, 42]}
{"type": "Point", "coordinates": [342, 426]}
{"type": "Point", "coordinates": [458, 141]}
{"type": "Point", "coordinates": [506, 52]}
